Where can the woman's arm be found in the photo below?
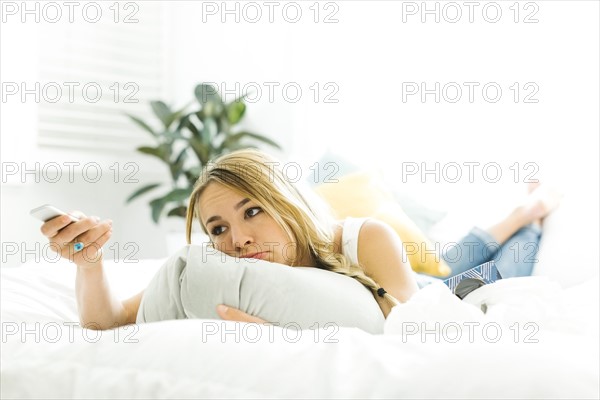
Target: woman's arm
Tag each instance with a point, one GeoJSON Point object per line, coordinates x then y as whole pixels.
{"type": "Point", "coordinates": [98, 306]}
{"type": "Point", "coordinates": [381, 254]}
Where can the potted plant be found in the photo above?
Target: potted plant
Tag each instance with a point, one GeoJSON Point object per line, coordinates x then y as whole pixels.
{"type": "Point", "coordinates": [187, 140]}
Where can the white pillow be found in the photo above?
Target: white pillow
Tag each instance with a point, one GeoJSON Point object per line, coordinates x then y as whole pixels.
{"type": "Point", "coordinates": [196, 279]}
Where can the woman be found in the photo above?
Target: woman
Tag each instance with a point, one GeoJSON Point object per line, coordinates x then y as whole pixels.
{"type": "Point", "coordinates": [249, 209]}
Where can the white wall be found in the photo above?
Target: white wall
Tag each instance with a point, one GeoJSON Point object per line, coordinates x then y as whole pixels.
{"type": "Point", "coordinates": [368, 54]}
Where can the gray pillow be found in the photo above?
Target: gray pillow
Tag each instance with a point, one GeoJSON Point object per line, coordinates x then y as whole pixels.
{"type": "Point", "coordinates": [196, 279]}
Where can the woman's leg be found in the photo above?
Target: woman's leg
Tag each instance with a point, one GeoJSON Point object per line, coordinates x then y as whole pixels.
{"type": "Point", "coordinates": [512, 243]}
{"type": "Point", "coordinates": [517, 256]}
{"type": "Point", "coordinates": [476, 248]}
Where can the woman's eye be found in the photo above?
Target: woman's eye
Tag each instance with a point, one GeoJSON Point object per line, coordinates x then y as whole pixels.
{"type": "Point", "coordinates": [217, 230]}
{"type": "Point", "coordinates": [252, 211]}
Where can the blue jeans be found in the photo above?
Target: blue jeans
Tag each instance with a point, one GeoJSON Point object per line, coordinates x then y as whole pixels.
{"type": "Point", "coordinates": [515, 257]}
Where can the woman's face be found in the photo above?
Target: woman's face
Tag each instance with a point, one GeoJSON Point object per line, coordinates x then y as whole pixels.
{"type": "Point", "coordinates": [239, 227]}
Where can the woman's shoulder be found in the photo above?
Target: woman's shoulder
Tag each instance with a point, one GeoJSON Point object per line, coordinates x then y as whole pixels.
{"type": "Point", "coordinates": [355, 227]}
{"type": "Point", "coordinates": [352, 225]}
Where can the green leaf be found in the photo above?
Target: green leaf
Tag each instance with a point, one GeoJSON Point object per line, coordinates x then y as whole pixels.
{"type": "Point", "coordinates": [186, 122]}
{"type": "Point", "coordinates": [141, 191]}
{"type": "Point", "coordinates": [181, 157]}
{"type": "Point", "coordinates": [175, 116]}
{"type": "Point", "coordinates": [209, 130]}
{"type": "Point", "coordinates": [180, 211]}
{"type": "Point", "coordinates": [163, 151]}
{"type": "Point", "coordinates": [172, 135]}
{"type": "Point", "coordinates": [163, 112]}
{"type": "Point", "coordinates": [178, 194]}
{"type": "Point", "coordinates": [223, 125]}
{"type": "Point", "coordinates": [141, 123]}
{"type": "Point", "coordinates": [177, 166]}
{"type": "Point", "coordinates": [235, 111]}
{"type": "Point", "coordinates": [207, 93]}
{"type": "Point", "coordinates": [200, 149]}
{"type": "Point", "coordinates": [157, 206]}
{"type": "Point", "coordinates": [209, 98]}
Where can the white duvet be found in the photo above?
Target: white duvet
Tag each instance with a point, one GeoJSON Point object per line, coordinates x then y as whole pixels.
{"type": "Point", "coordinates": [536, 340]}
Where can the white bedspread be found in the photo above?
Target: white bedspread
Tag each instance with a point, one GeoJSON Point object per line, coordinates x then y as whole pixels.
{"type": "Point", "coordinates": [210, 358]}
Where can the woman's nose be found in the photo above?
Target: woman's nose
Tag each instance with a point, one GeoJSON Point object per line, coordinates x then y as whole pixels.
{"type": "Point", "coordinates": [241, 238]}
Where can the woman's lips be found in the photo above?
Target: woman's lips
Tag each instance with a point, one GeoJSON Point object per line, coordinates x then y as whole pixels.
{"type": "Point", "coordinates": [261, 255]}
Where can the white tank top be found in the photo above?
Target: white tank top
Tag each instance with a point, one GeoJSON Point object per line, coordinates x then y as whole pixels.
{"type": "Point", "coordinates": [350, 232]}
{"type": "Point", "coordinates": [350, 237]}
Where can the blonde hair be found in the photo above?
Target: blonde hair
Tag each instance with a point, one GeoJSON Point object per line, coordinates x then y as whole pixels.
{"type": "Point", "coordinates": [257, 176]}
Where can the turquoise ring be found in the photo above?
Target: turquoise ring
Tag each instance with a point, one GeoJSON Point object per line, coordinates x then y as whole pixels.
{"type": "Point", "coordinates": [78, 246]}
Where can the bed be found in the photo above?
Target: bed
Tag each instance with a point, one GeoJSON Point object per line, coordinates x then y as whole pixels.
{"type": "Point", "coordinates": [537, 339]}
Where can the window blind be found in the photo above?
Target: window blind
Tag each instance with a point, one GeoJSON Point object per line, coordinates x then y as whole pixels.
{"type": "Point", "coordinates": [91, 74]}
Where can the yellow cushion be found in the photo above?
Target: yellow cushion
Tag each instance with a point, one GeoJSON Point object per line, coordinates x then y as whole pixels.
{"type": "Point", "coordinates": [363, 194]}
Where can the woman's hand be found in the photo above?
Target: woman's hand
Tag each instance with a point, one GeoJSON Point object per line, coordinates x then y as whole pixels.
{"type": "Point", "coordinates": [233, 314]}
{"type": "Point", "coordinates": [80, 242]}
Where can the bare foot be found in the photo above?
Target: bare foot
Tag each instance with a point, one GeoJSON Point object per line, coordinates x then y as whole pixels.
{"type": "Point", "coordinates": [531, 186]}
{"type": "Point", "coordinates": [540, 202]}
